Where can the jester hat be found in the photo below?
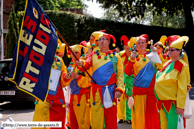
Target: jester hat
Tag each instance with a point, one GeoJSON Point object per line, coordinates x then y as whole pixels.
{"type": "Point", "coordinates": [178, 44]}
{"type": "Point", "coordinates": [171, 39]}
{"type": "Point", "coordinates": [85, 44]}
{"type": "Point", "coordinates": [161, 41]}
{"type": "Point", "coordinates": [128, 42]}
{"type": "Point", "coordinates": [61, 47]}
{"type": "Point", "coordinates": [97, 33]}
{"type": "Point", "coordinates": [77, 48]}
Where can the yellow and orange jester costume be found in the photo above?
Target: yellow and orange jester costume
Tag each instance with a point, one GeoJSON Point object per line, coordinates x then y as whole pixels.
{"type": "Point", "coordinates": [107, 71]}
{"type": "Point", "coordinates": [79, 107]}
{"type": "Point", "coordinates": [144, 111]}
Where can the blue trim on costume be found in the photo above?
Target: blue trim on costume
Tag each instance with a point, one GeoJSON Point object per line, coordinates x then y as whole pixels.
{"type": "Point", "coordinates": [103, 74]}
{"type": "Point", "coordinates": [111, 89]}
{"type": "Point", "coordinates": [144, 77]}
{"type": "Point", "coordinates": [75, 89]}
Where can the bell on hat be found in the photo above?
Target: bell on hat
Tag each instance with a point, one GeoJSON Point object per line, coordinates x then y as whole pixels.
{"type": "Point", "coordinates": [178, 44]}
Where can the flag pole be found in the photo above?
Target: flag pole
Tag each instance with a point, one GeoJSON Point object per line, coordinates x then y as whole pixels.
{"type": "Point", "coordinates": [74, 55]}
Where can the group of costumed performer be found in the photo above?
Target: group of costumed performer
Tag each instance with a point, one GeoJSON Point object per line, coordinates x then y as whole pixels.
{"type": "Point", "coordinates": [144, 111]}
{"type": "Point", "coordinates": [107, 71]}
{"type": "Point", "coordinates": [123, 111]}
{"type": "Point", "coordinates": [53, 109]}
{"type": "Point", "coordinates": [171, 84]}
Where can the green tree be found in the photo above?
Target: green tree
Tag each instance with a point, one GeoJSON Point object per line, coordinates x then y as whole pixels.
{"type": "Point", "coordinates": [12, 34]}
{"type": "Point", "coordinates": [136, 8]}
{"type": "Point", "coordinates": [52, 4]}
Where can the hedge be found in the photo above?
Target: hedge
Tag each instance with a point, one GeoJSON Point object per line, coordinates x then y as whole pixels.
{"type": "Point", "coordinates": [75, 28]}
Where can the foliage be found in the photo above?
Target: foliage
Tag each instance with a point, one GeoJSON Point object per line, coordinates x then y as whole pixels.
{"type": "Point", "coordinates": [75, 28]}
{"type": "Point", "coordinates": [12, 34]}
{"type": "Point", "coordinates": [136, 8]}
{"type": "Point", "coordinates": [52, 4]}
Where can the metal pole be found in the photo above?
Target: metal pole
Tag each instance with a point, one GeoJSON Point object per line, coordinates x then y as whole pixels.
{"type": "Point", "coordinates": [2, 45]}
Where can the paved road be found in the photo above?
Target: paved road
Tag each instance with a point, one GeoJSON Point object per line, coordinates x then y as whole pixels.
{"type": "Point", "coordinates": [25, 111]}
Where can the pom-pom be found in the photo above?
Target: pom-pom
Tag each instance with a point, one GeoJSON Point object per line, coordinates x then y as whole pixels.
{"type": "Point", "coordinates": [119, 100]}
{"type": "Point", "coordinates": [144, 59]}
{"type": "Point", "coordinates": [69, 56]}
{"type": "Point", "coordinates": [102, 105]}
{"type": "Point", "coordinates": [99, 57]}
{"type": "Point", "coordinates": [63, 105]}
{"type": "Point", "coordinates": [131, 48]}
{"type": "Point", "coordinates": [71, 63]}
{"type": "Point", "coordinates": [164, 46]}
{"type": "Point", "coordinates": [88, 100]}
{"type": "Point", "coordinates": [88, 104]}
{"type": "Point", "coordinates": [105, 57]}
{"type": "Point", "coordinates": [58, 47]}
{"type": "Point", "coordinates": [78, 104]}
{"type": "Point", "coordinates": [167, 55]}
{"type": "Point", "coordinates": [113, 45]}
{"type": "Point", "coordinates": [58, 60]}
{"type": "Point", "coordinates": [94, 103]}
{"type": "Point", "coordinates": [93, 44]}
{"type": "Point", "coordinates": [36, 102]}
{"type": "Point", "coordinates": [97, 54]}
{"type": "Point", "coordinates": [114, 103]}
{"type": "Point", "coordinates": [83, 55]}
{"type": "Point", "coordinates": [149, 42]}
{"type": "Point", "coordinates": [53, 65]}
{"type": "Point", "coordinates": [55, 57]}
{"type": "Point", "coordinates": [111, 55]}
{"type": "Point", "coordinates": [137, 56]}
{"type": "Point", "coordinates": [137, 59]}
{"type": "Point", "coordinates": [58, 63]}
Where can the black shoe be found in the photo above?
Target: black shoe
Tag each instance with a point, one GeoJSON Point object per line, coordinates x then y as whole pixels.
{"type": "Point", "coordinates": [121, 121]}
{"type": "Point", "coordinates": [128, 122]}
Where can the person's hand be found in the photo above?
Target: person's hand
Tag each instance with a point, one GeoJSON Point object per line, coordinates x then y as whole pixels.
{"type": "Point", "coordinates": [188, 88]}
{"type": "Point", "coordinates": [79, 63]}
{"type": "Point", "coordinates": [118, 94]}
{"type": "Point", "coordinates": [67, 76]}
{"type": "Point", "coordinates": [67, 105]}
{"type": "Point", "coordinates": [179, 111]}
{"type": "Point", "coordinates": [154, 49]}
{"type": "Point", "coordinates": [74, 75]}
{"type": "Point", "coordinates": [133, 55]}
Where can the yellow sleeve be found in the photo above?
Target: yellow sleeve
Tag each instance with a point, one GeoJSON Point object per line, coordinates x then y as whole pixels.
{"type": "Point", "coordinates": [63, 71]}
{"type": "Point", "coordinates": [120, 74]}
{"type": "Point", "coordinates": [160, 66]}
{"type": "Point", "coordinates": [183, 79]}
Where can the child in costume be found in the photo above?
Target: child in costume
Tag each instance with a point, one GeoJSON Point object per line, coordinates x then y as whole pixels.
{"type": "Point", "coordinates": [124, 113]}
{"type": "Point", "coordinates": [79, 84]}
{"type": "Point", "coordinates": [171, 85]}
{"type": "Point", "coordinates": [107, 71]}
{"type": "Point", "coordinates": [144, 112]}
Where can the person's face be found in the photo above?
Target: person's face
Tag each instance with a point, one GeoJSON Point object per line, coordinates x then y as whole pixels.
{"type": "Point", "coordinates": [127, 49]}
{"type": "Point", "coordinates": [60, 54]}
{"type": "Point", "coordinates": [103, 42]}
{"type": "Point", "coordinates": [173, 53]}
{"type": "Point", "coordinates": [141, 46]}
{"type": "Point", "coordinates": [159, 48]}
{"type": "Point", "coordinates": [77, 54]}
{"type": "Point", "coordinates": [92, 39]}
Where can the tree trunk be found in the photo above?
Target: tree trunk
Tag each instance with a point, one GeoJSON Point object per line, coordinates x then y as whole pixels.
{"type": "Point", "coordinates": [188, 15]}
